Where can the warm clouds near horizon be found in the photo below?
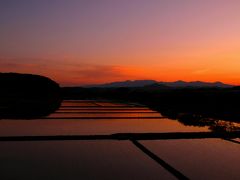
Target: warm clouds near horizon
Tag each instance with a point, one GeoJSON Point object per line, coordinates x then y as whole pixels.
{"type": "Point", "coordinates": [87, 42]}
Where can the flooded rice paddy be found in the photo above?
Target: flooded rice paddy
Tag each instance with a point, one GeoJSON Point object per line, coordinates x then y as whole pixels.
{"type": "Point", "coordinates": [208, 158]}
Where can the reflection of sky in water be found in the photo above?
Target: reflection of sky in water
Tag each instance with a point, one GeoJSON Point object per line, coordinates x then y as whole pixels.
{"type": "Point", "coordinates": [197, 159]}
{"type": "Point", "coordinates": [92, 110]}
{"type": "Point", "coordinates": [77, 160]}
{"type": "Point", "coordinates": [200, 159]}
{"type": "Point", "coordinates": [142, 124]}
{"type": "Point", "coordinates": [136, 114]}
{"type": "Point", "coordinates": [99, 126]}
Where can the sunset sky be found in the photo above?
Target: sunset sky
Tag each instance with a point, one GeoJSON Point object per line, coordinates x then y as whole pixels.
{"type": "Point", "coordinates": [78, 42]}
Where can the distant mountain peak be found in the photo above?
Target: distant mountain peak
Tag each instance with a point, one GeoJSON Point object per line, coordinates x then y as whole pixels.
{"type": "Point", "coordinates": [127, 83]}
{"type": "Point", "coordinates": [180, 81]}
{"type": "Point", "coordinates": [175, 84]}
{"type": "Point", "coordinates": [196, 84]}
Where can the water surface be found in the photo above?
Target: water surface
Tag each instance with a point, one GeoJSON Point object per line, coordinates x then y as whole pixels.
{"type": "Point", "coordinates": [200, 159]}
{"type": "Point", "coordinates": [65, 121]}
{"type": "Point", "coordinates": [196, 159]}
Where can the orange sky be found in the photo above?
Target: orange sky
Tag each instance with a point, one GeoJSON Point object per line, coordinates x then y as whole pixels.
{"type": "Point", "coordinates": [87, 42]}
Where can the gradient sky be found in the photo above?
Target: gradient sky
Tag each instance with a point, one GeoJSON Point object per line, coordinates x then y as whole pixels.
{"type": "Point", "coordinates": [78, 42]}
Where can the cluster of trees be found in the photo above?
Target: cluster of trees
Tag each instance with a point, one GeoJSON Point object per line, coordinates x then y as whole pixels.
{"type": "Point", "coordinates": [27, 95]}
{"type": "Point", "coordinates": [221, 103]}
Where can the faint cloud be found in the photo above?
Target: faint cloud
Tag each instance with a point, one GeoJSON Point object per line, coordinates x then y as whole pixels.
{"type": "Point", "coordinates": [64, 72]}
{"type": "Point", "coordinates": [201, 71]}
{"type": "Point", "coordinates": [99, 71]}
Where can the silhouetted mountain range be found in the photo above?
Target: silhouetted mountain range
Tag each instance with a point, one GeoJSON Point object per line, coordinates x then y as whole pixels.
{"type": "Point", "coordinates": [196, 84]}
{"type": "Point", "coordinates": [176, 84]}
{"type": "Point", "coordinates": [128, 83]}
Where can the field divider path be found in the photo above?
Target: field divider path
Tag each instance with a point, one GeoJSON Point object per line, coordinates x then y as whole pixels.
{"type": "Point", "coordinates": [127, 136]}
{"type": "Point", "coordinates": [160, 161]}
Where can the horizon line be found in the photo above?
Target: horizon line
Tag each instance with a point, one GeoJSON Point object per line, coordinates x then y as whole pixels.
{"type": "Point", "coordinates": [132, 80]}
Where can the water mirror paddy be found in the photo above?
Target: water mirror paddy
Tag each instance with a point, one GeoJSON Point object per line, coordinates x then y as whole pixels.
{"type": "Point", "coordinates": [112, 159]}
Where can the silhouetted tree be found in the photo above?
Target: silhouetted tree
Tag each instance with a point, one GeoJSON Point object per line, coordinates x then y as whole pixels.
{"type": "Point", "coordinates": [27, 95]}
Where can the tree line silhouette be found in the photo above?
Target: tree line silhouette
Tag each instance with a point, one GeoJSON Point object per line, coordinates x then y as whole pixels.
{"type": "Point", "coordinates": [185, 103]}
{"type": "Point", "coordinates": [27, 96]}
